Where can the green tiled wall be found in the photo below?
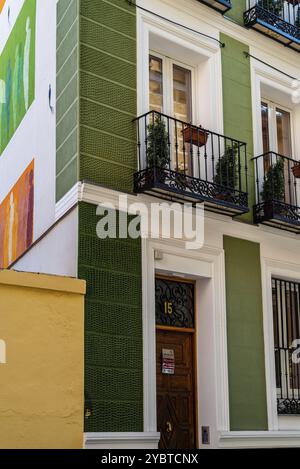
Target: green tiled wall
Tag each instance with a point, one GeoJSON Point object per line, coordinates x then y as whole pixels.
{"type": "Point", "coordinates": [107, 93]}
{"type": "Point", "coordinates": [96, 73]}
{"type": "Point", "coordinates": [237, 102]}
{"type": "Point", "coordinates": [237, 11]}
{"type": "Point", "coordinates": [67, 111]}
{"type": "Point", "coordinates": [113, 328]}
{"type": "Point", "coordinates": [246, 358]}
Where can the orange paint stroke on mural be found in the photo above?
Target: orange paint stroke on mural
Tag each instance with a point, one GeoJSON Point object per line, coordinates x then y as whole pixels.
{"type": "Point", "coordinates": [16, 219]}
{"type": "Point", "coordinates": [2, 2]}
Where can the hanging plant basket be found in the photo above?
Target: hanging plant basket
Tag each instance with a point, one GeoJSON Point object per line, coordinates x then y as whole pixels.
{"type": "Point", "coordinates": [195, 135]}
{"type": "Point", "coordinates": [296, 170]}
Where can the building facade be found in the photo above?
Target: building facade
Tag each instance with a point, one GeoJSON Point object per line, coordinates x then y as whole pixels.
{"type": "Point", "coordinates": [191, 101]}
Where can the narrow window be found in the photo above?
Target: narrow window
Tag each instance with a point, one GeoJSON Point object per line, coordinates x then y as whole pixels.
{"type": "Point", "coordinates": [286, 317]}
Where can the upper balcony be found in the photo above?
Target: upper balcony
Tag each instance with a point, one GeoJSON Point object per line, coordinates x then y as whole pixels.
{"type": "Point", "coordinates": [219, 5]}
{"type": "Point", "coordinates": [277, 192]}
{"type": "Point", "coordinates": [279, 19]}
{"type": "Point", "coordinates": [182, 162]}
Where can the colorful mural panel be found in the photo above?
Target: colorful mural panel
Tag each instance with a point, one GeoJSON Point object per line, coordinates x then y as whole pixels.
{"type": "Point", "coordinates": [16, 219]}
{"type": "Point", "coordinates": [17, 73]}
{"type": "Point", "coordinates": [2, 2]}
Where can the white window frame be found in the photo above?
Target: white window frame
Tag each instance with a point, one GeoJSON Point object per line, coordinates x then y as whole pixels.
{"type": "Point", "coordinates": [272, 268]}
{"type": "Point", "coordinates": [273, 140]}
{"type": "Point", "coordinates": [285, 370]}
{"type": "Point", "coordinates": [167, 73]}
{"type": "Point", "coordinates": [148, 24]}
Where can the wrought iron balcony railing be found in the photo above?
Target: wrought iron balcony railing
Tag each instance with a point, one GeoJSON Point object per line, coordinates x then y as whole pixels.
{"type": "Point", "coordinates": [219, 5]}
{"type": "Point", "coordinates": [279, 19]}
{"type": "Point", "coordinates": [277, 192]}
{"type": "Point", "coordinates": [183, 162]}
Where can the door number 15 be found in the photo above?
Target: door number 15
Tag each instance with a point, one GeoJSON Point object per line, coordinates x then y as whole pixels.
{"type": "Point", "coordinates": [168, 308]}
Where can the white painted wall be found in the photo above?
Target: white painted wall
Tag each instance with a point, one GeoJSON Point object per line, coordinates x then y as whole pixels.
{"type": "Point", "coordinates": [56, 253]}
{"type": "Point", "coordinates": [35, 137]}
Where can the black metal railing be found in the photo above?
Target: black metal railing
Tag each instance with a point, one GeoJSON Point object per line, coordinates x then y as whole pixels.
{"type": "Point", "coordinates": [219, 5]}
{"type": "Point", "coordinates": [277, 18]}
{"type": "Point", "coordinates": [277, 191]}
{"type": "Point", "coordinates": [187, 162]}
{"type": "Point", "coordinates": [286, 317]}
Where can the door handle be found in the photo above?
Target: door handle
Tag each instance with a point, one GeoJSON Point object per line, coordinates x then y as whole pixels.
{"type": "Point", "coordinates": [169, 427]}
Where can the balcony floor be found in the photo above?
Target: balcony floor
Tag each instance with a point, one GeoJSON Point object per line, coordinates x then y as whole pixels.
{"type": "Point", "coordinates": [278, 215]}
{"type": "Point", "coordinates": [276, 28]}
{"type": "Point", "coordinates": [173, 186]}
{"type": "Point", "coordinates": [219, 5]}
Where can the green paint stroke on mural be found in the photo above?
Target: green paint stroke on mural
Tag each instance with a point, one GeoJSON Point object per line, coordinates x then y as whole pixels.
{"type": "Point", "coordinates": [17, 73]}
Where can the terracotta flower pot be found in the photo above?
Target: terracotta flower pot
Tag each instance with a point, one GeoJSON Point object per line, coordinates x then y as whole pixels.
{"type": "Point", "coordinates": [195, 135]}
{"type": "Point", "coordinates": [296, 170]}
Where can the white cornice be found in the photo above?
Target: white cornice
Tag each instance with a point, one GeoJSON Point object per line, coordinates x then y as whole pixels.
{"type": "Point", "coordinates": [72, 197]}
{"type": "Point", "coordinates": [276, 439]}
{"type": "Point", "coordinates": [95, 194]}
{"type": "Point", "coordinates": [143, 440]}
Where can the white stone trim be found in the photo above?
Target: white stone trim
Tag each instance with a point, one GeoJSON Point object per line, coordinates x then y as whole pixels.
{"type": "Point", "coordinates": [145, 440]}
{"type": "Point", "coordinates": [96, 194]}
{"type": "Point", "coordinates": [286, 270]}
{"type": "Point", "coordinates": [68, 201]}
{"type": "Point", "coordinates": [213, 410]}
{"type": "Point", "coordinates": [270, 439]}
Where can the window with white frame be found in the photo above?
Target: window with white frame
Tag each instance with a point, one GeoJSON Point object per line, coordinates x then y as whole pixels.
{"type": "Point", "coordinates": [171, 93]}
{"type": "Point", "coordinates": [286, 317]}
{"type": "Point", "coordinates": [276, 128]}
{"type": "Point", "coordinates": [170, 87]}
{"type": "Point", "coordinates": [277, 139]}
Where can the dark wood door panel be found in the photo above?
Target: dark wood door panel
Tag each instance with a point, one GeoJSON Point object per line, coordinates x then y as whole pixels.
{"type": "Point", "coordinates": [176, 393]}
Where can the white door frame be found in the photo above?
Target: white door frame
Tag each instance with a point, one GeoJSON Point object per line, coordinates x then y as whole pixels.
{"type": "Point", "coordinates": [207, 267]}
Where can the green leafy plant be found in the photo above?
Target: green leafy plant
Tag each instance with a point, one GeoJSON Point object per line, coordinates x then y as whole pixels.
{"type": "Point", "coordinates": [297, 19]}
{"type": "Point", "coordinates": [274, 6]}
{"type": "Point", "coordinates": [274, 183]}
{"type": "Point", "coordinates": [226, 168]}
{"type": "Point", "coordinates": [158, 152]}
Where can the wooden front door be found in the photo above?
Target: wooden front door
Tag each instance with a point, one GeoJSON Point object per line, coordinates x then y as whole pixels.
{"type": "Point", "coordinates": [175, 364]}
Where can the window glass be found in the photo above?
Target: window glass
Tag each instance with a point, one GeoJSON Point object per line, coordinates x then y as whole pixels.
{"type": "Point", "coordinates": [182, 93]}
{"type": "Point", "coordinates": [283, 125]}
{"type": "Point", "coordinates": [265, 127]}
{"type": "Point", "coordinates": [155, 84]}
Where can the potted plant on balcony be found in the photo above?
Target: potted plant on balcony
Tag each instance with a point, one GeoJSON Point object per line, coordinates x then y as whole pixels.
{"type": "Point", "coordinates": [274, 189]}
{"type": "Point", "coordinates": [297, 18]}
{"type": "Point", "coordinates": [296, 170]}
{"type": "Point", "coordinates": [273, 6]}
{"type": "Point", "coordinates": [227, 173]}
{"type": "Point", "coordinates": [195, 135]}
{"type": "Point", "coordinates": [158, 147]}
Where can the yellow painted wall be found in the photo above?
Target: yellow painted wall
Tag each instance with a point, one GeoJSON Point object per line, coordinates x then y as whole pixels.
{"type": "Point", "coordinates": [41, 385]}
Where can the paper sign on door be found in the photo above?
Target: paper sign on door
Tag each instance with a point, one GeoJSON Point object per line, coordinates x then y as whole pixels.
{"type": "Point", "coordinates": [168, 362]}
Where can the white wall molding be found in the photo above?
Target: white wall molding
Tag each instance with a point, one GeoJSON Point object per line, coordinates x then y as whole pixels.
{"type": "Point", "coordinates": [290, 271]}
{"type": "Point", "coordinates": [145, 440]}
{"type": "Point", "coordinates": [71, 198]}
{"type": "Point", "coordinates": [96, 194]}
{"type": "Point", "coordinates": [273, 439]}
{"type": "Point", "coordinates": [207, 268]}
